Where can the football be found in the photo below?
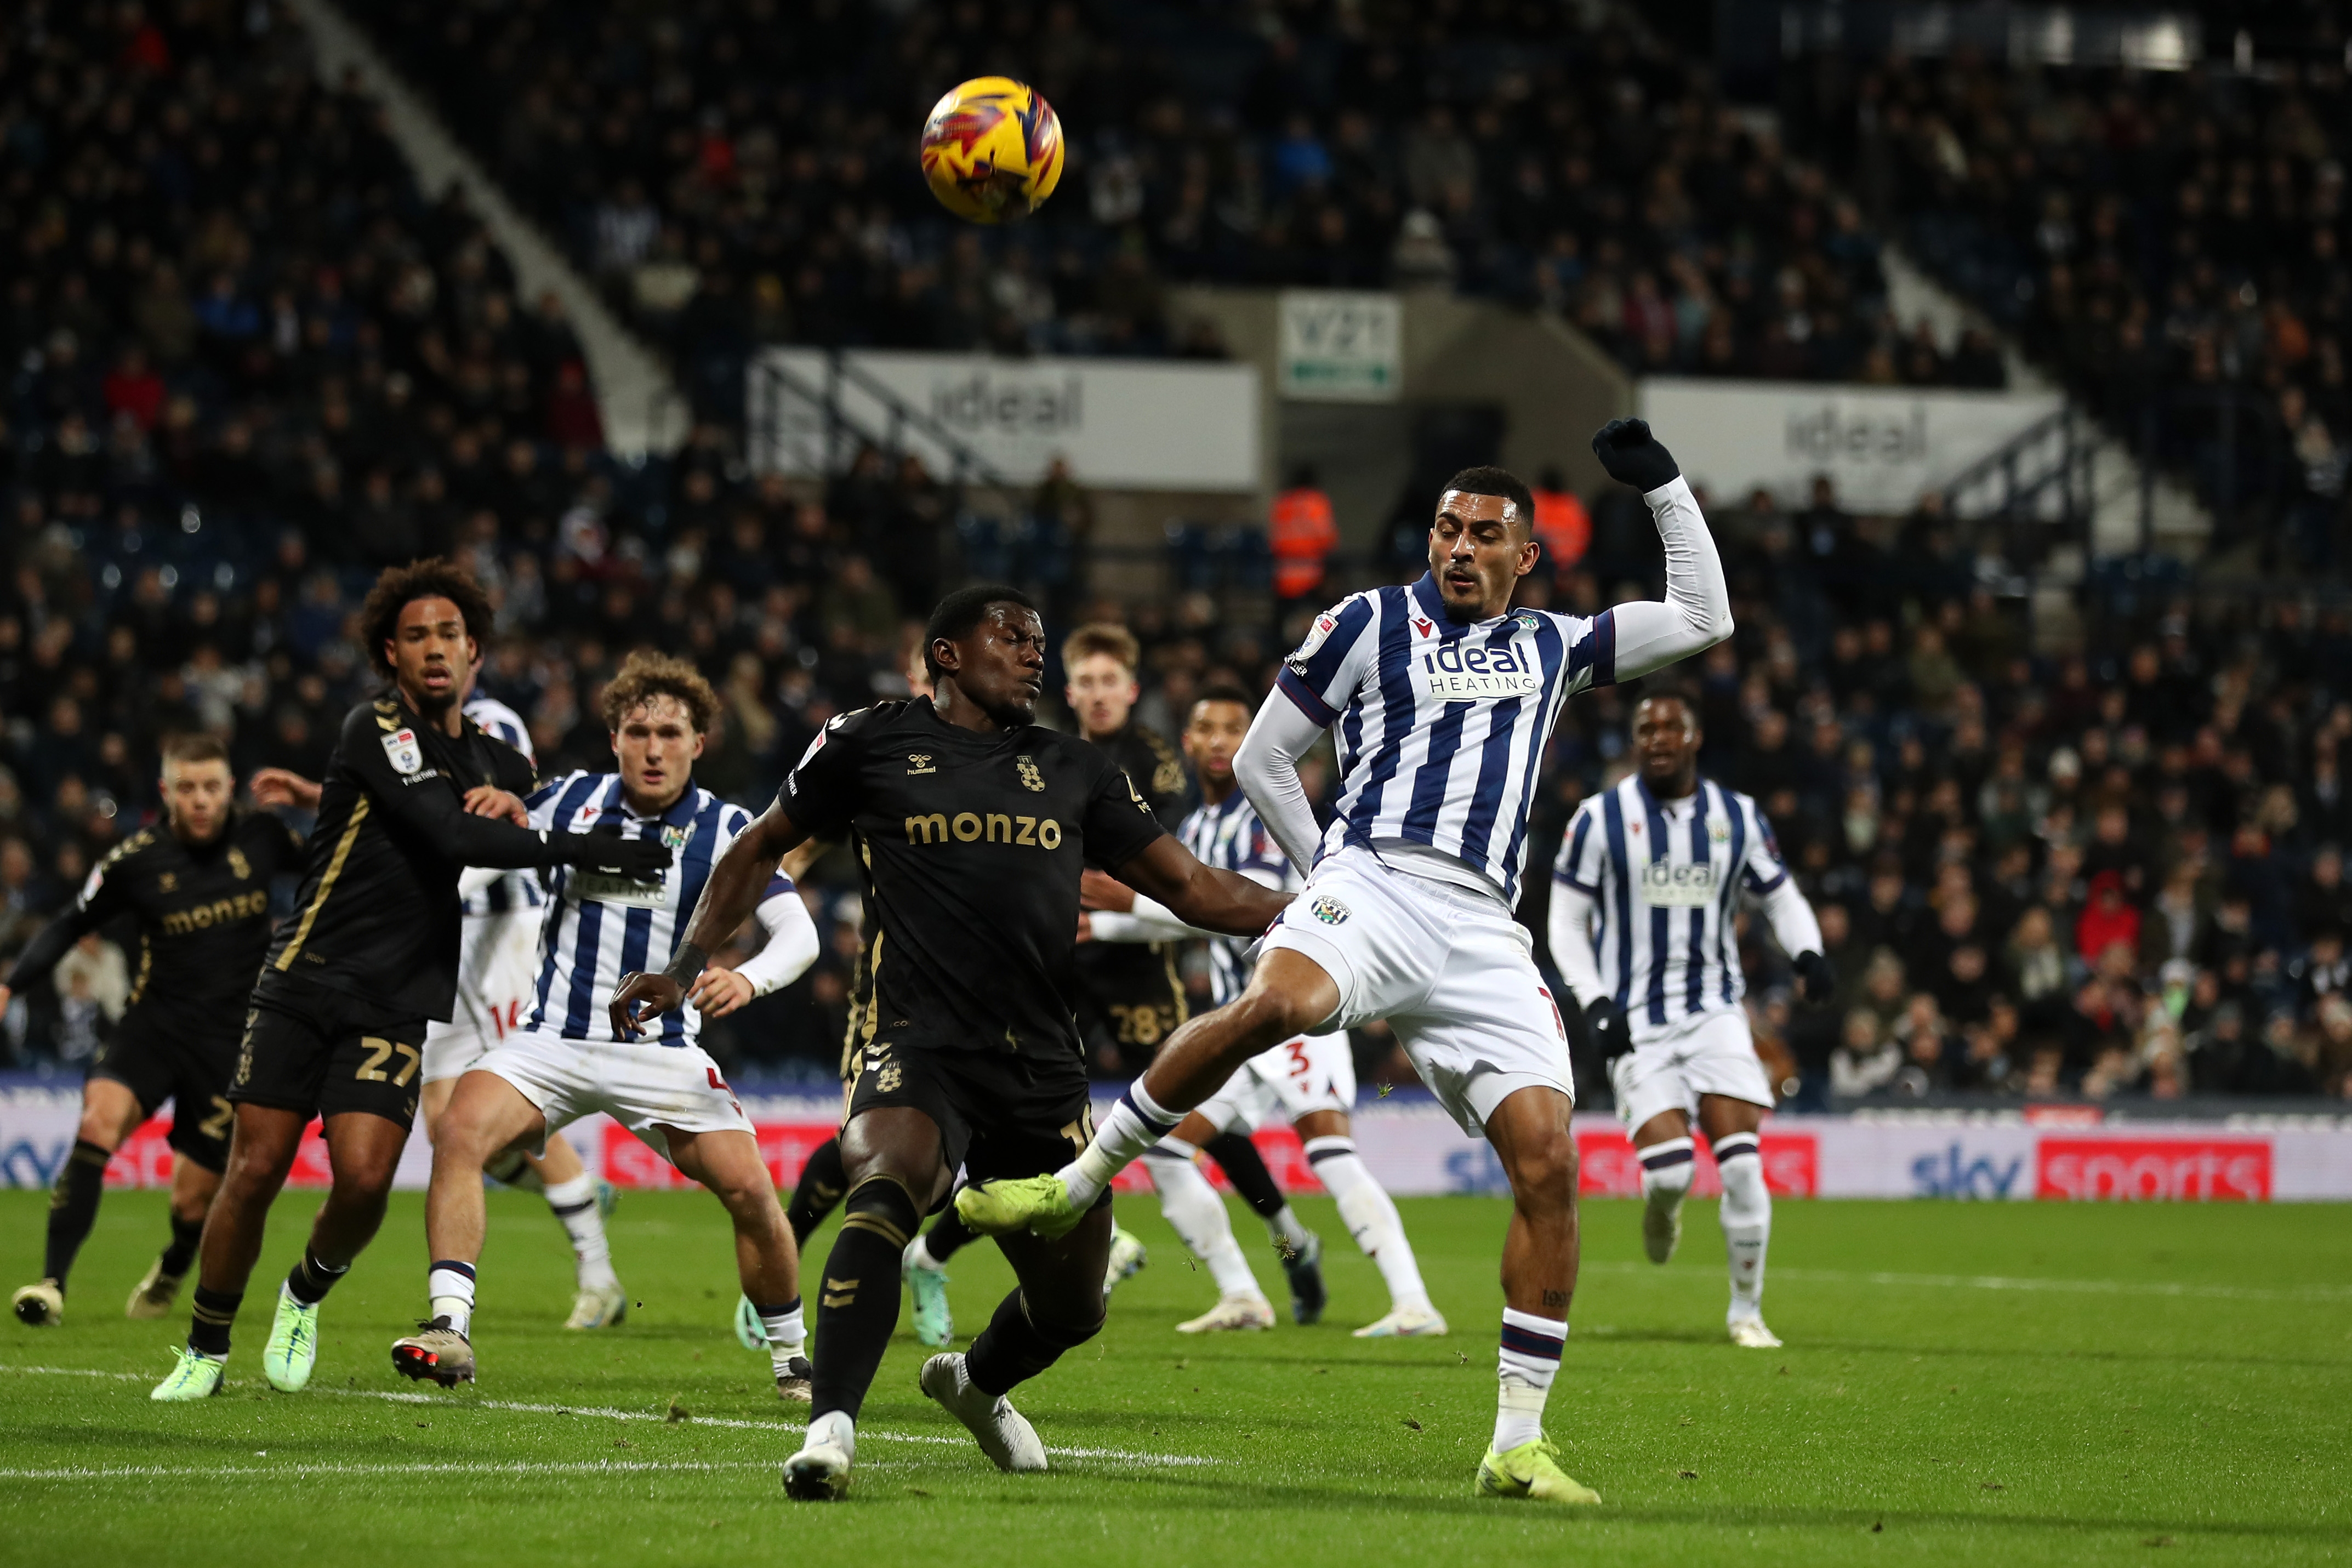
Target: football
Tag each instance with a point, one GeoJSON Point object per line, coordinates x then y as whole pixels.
{"type": "Point", "coordinates": [992, 149]}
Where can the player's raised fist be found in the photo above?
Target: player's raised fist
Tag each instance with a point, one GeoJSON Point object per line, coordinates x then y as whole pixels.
{"type": "Point", "coordinates": [1816, 977]}
{"type": "Point", "coordinates": [1632, 456]}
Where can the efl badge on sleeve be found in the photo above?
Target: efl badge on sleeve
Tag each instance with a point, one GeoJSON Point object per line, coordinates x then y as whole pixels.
{"type": "Point", "coordinates": [407, 756]}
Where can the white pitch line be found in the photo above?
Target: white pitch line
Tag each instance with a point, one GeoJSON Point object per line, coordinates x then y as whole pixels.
{"type": "Point", "coordinates": [611, 1413]}
{"type": "Point", "coordinates": [2014, 1282]}
{"type": "Point", "coordinates": [481, 1468]}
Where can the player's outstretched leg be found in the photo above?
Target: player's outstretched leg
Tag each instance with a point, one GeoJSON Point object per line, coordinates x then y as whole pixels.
{"type": "Point", "coordinates": [192, 1187]}
{"type": "Point", "coordinates": [1300, 1250]}
{"type": "Point", "coordinates": [1198, 1215]}
{"type": "Point", "coordinates": [925, 1267]}
{"type": "Point", "coordinates": [487, 1117]}
{"type": "Point", "coordinates": [1289, 994]}
{"type": "Point", "coordinates": [109, 1113]}
{"type": "Point", "coordinates": [1530, 1134]}
{"type": "Point", "coordinates": [1372, 1217]}
{"type": "Point", "coordinates": [1747, 1216]}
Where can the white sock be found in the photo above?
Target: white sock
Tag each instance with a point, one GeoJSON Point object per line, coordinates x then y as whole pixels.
{"type": "Point", "coordinates": [1530, 1360]}
{"type": "Point", "coordinates": [1371, 1216]}
{"type": "Point", "coordinates": [1134, 1124]}
{"type": "Point", "coordinates": [1191, 1205]}
{"type": "Point", "coordinates": [1747, 1215]}
{"type": "Point", "coordinates": [449, 1285]}
{"type": "Point", "coordinates": [835, 1427]}
{"type": "Point", "coordinates": [574, 1203]}
{"type": "Point", "coordinates": [1667, 1172]}
{"type": "Point", "coordinates": [787, 1332]}
{"type": "Point", "coordinates": [919, 1256]}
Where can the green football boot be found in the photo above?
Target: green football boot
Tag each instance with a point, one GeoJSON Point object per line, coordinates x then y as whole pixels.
{"type": "Point", "coordinates": [194, 1375]}
{"type": "Point", "coordinates": [1039, 1205]}
{"type": "Point", "coordinates": [293, 1347]}
{"type": "Point", "coordinates": [1531, 1470]}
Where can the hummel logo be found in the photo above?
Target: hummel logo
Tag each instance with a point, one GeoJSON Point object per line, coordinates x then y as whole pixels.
{"type": "Point", "coordinates": [918, 762]}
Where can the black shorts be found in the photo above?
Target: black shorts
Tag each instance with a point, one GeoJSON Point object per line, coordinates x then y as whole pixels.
{"type": "Point", "coordinates": [999, 1115]}
{"type": "Point", "coordinates": [322, 1052]}
{"type": "Point", "coordinates": [191, 1071]}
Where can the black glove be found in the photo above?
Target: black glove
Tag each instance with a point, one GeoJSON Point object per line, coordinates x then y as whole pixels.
{"type": "Point", "coordinates": [1816, 977]}
{"type": "Point", "coordinates": [1604, 1025]}
{"type": "Point", "coordinates": [1632, 456]}
{"type": "Point", "coordinates": [639, 859]}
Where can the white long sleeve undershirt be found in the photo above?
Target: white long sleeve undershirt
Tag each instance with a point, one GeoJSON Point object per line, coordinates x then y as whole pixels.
{"type": "Point", "coordinates": [1152, 920]}
{"type": "Point", "coordinates": [790, 948]}
{"type": "Point", "coordinates": [1570, 928]}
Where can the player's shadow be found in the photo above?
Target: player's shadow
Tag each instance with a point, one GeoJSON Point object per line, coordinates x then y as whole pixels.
{"type": "Point", "coordinates": [2168, 1356]}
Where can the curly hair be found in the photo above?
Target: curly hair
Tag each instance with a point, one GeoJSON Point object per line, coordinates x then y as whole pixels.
{"type": "Point", "coordinates": [401, 586]}
{"type": "Point", "coordinates": [646, 675]}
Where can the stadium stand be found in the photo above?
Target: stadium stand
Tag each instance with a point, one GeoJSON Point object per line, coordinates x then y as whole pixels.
{"type": "Point", "coordinates": [2111, 872]}
{"type": "Point", "coordinates": [729, 184]}
{"type": "Point", "coordinates": [2169, 242]}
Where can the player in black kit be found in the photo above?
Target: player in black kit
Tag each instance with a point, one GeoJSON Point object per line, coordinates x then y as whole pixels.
{"type": "Point", "coordinates": [335, 1026]}
{"type": "Point", "coordinates": [973, 825]}
{"type": "Point", "coordinates": [198, 885]}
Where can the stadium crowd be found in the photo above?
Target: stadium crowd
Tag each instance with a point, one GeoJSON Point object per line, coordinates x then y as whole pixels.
{"type": "Point", "coordinates": [735, 176]}
{"type": "Point", "coordinates": [250, 364]}
{"type": "Point", "coordinates": [2172, 243]}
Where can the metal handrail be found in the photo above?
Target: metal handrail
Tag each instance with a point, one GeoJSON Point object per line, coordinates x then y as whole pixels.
{"type": "Point", "coordinates": [2021, 495]}
{"type": "Point", "coordinates": [967, 465]}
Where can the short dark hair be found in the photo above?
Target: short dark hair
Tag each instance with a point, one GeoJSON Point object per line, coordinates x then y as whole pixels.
{"type": "Point", "coordinates": [1485, 479]}
{"type": "Point", "coordinates": [1221, 692]}
{"type": "Point", "coordinates": [1671, 691]}
{"type": "Point", "coordinates": [401, 586]}
{"type": "Point", "coordinates": [962, 611]}
{"type": "Point", "coordinates": [193, 745]}
{"type": "Point", "coordinates": [646, 676]}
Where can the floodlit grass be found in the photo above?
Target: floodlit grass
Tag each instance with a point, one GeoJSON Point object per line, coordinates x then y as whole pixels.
{"type": "Point", "coordinates": [2002, 1383]}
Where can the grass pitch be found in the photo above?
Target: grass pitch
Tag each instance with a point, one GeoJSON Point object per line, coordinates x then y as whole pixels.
{"type": "Point", "coordinates": [2011, 1383]}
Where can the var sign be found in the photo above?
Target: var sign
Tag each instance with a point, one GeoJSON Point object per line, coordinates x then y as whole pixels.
{"type": "Point", "coordinates": [1340, 346]}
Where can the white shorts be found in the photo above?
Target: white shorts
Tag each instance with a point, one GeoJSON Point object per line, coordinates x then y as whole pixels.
{"type": "Point", "coordinates": [1313, 1072]}
{"type": "Point", "coordinates": [497, 975]}
{"type": "Point", "coordinates": [642, 1086]}
{"type": "Point", "coordinates": [1451, 971]}
{"type": "Point", "coordinates": [1712, 1053]}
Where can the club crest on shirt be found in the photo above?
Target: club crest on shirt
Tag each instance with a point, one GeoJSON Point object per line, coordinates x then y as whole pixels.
{"type": "Point", "coordinates": [674, 837]}
{"type": "Point", "coordinates": [1720, 831]}
{"type": "Point", "coordinates": [1329, 911]}
{"type": "Point", "coordinates": [239, 865]}
{"type": "Point", "coordinates": [1030, 776]}
{"type": "Point", "coordinates": [407, 756]}
{"type": "Point", "coordinates": [1528, 619]}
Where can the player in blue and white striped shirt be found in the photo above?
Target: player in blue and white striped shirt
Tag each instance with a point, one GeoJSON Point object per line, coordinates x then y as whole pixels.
{"type": "Point", "coordinates": [1442, 696]}
{"type": "Point", "coordinates": [1311, 1079]}
{"type": "Point", "coordinates": [1644, 896]}
{"type": "Point", "coordinates": [566, 1061]}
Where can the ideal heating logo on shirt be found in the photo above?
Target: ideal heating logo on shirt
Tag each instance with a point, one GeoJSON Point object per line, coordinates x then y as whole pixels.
{"type": "Point", "coordinates": [1459, 671]}
{"type": "Point", "coordinates": [1676, 887]}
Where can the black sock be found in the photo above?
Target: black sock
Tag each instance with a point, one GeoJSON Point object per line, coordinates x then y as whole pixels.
{"type": "Point", "coordinates": [948, 1236]}
{"type": "Point", "coordinates": [208, 1326]}
{"type": "Point", "coordinates": [817, 1191]}
{"type": "Point", "coordinates": [1238, 1158]}
{"type": "Point", "coordinates": [186, 1236]}
{"type": "Point", "coordinates": [857, 1294]}
{"type": "Point", "coordinates": [73, 1208]}
{"type": "Point", "coordinates": [1011, 1349]}
{"type": "Point", "coordinates": [312, 1279]}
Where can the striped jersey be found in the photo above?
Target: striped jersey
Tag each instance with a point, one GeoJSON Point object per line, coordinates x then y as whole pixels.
{"type": "Point", "coordinates": [1665, 876]}
{"type": "Point", "coordinates": [517, 889]}
{"type": "Point", "coordinates": [1441, 726]}
{"type": "Point", "coordinates": [598, 927]}
{"type": "Point", "coordinates": [1228, 836]}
